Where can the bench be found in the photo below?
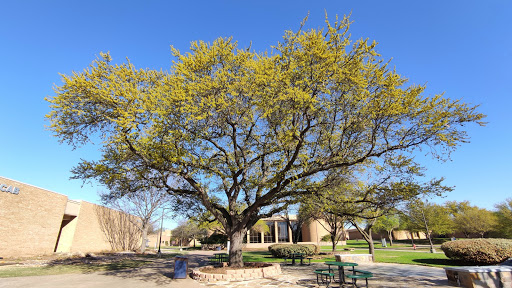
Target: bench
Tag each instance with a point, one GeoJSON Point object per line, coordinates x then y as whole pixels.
{"type": "Point", "coordinates": [324, 277]}
{"type": "Point", "coordinates": [362, 271]}
{"type": "Point", "coordinates": [362, 275]}
{"type": "Point", "coordinates": [309, 259]}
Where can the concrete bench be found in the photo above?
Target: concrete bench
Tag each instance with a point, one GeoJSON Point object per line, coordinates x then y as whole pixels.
{"type": "Point", "coordinates": [480, 276]}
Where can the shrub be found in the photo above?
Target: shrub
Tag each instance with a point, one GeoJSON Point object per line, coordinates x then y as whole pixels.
{"type": "Point", "coordinates": [285, 250]}
{"type": "Point", "coordinates": [479, 251]}
{"type": "Point", "coordinates": [215, 239]}
{"type": "Point", "coordinates": [326, 238]}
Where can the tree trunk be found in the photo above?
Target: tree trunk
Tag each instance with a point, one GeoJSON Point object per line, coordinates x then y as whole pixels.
{"type": "Point", "coordinates": [235, 250]}
{"type": "Point", "coordinates": [390, 235]}
{"type": "Point", "coordinates": [333, 241]}
{"type": "Point", "coordinates": [144, 238]}
{"type": "Point", "coordinates": [367, 235]}
{"type": "Point", "coordinates": [371, 247]}
{"type": "Point", "coordinates": [432, 249]}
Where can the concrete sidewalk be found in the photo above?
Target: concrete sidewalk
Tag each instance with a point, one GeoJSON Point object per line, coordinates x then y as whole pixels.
{"type": "Point", "coordinates": [160, 273]}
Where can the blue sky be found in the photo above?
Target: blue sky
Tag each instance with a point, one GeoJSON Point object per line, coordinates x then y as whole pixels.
{"type": "Point", "coordinates": [461, 48]}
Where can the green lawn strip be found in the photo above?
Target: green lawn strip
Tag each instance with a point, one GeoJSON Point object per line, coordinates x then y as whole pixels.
{"type": "Point", "coordinates": [382, 256]}
{"type": "Point", "coordinates": [413, 258]}
{"type": "Point", "coordinates": [70, 269]}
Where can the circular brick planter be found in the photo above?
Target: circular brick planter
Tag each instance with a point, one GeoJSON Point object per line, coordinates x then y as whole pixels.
{"type": "Point", "coordinates": [268, 270]}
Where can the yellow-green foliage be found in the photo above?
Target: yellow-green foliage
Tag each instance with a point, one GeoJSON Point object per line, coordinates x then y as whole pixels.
{"type": "Point", "coordinates": [479, 251]}
{"type": "Point", "coordinates": [240, 126]}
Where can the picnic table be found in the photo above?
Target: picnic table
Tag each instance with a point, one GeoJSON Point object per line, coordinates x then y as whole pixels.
{"type": "Point", "coordinates": [219, 258]}
{"type": "Point", "coordinates": [223, 257]}
{"type": "Point", "coordinates": [341, 268]}
{"type": "Point", "coordinates": [297, 256]}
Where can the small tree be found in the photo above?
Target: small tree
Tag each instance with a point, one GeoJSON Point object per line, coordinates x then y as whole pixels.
{"type": "Point", "coordinates": [119, 228]}
{"type": "Point", "coordinates": [261, 227]}
{"type": "Point", "coordinates": [388, 223]}
{"type": "Point", "coordinates": [504, 218]}
{"type": "Point", "coordinates": [188, 231]}
{"type": "Point", "coordinates": [406, 224]}
{"type": "Point", "coordinates": [144, 203]}
{"type": "Point", "coordinates": [429, 218]}
{"type": "Point", "coordinates": [335, 225]}
{"type": "Point", "coordinates": [364, 227]}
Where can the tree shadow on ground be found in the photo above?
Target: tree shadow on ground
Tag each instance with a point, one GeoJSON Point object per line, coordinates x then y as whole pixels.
{"type": "Point", "coordinates": [159, 271]}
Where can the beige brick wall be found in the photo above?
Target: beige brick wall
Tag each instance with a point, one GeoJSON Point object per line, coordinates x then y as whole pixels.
{"type": "Point", "coordinates": [313, 232]}
{"type": "Point", "coordinates": [66, 236]}
{"type": "Point", "coordinates": [88, 236]}
{"type": "Point", "coordinates": [29, 221]}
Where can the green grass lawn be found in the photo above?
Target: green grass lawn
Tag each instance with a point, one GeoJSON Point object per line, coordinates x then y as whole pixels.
{"type": "Point", "coordinates": [363, 245]}
{"type": "Point", "coordinates": [381, 255]}
{"type": "Point", "coordinates": [69, 269]}
{"type": "Point", "coordinates": [415, 258]}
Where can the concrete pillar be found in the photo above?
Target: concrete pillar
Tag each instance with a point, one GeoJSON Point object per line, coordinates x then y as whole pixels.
{"type": "Point", "coordinates": [276, 236]}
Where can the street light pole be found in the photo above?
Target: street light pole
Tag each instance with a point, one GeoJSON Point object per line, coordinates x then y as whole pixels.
{"type": "Point", "coordinates": [161, 228]}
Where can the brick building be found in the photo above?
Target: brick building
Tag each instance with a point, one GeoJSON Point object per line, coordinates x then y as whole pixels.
{"type": "Point", "coordinates": [36, 221]}
{"type": "Point", "coordinates": [280, 232]}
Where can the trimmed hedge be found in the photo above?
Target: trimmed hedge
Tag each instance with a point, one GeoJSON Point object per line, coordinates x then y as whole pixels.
{"type": "Point", "coordinates": [285, 250]}
{"type": "Point", "coordinates": [479, 251]}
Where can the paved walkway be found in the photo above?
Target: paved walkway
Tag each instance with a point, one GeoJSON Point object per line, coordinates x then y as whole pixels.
{"type": "Point", "coordinates": [159, 274]}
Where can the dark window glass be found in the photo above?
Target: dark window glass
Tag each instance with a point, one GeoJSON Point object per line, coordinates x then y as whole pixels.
{"type": "Point", "coordinates": [282, 232]}
{"type": "Point", "coordinates": [270, 236]}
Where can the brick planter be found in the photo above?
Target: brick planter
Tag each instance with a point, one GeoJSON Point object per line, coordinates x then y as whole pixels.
{"type": "Point", "coordinates": [269, 270]}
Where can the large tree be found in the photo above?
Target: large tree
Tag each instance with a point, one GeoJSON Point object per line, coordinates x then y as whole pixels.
{"type": "Point", "coordinates": [504, 218]}
{"type": "Point", "coordinates": [469, 219]}
{"type": "Point", "coordinates": [248, 129]}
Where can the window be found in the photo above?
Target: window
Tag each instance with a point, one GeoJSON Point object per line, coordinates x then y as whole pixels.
{"type": "Point", "coordinates": [282, 232]}
{"type": "Point", "coordinates": [254, 237]}
{"type": "Point", "coordinates": [270, 236]}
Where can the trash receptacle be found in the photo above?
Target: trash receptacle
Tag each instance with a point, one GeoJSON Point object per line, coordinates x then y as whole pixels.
{"type": "Point", "coordinates": [180, 267]}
